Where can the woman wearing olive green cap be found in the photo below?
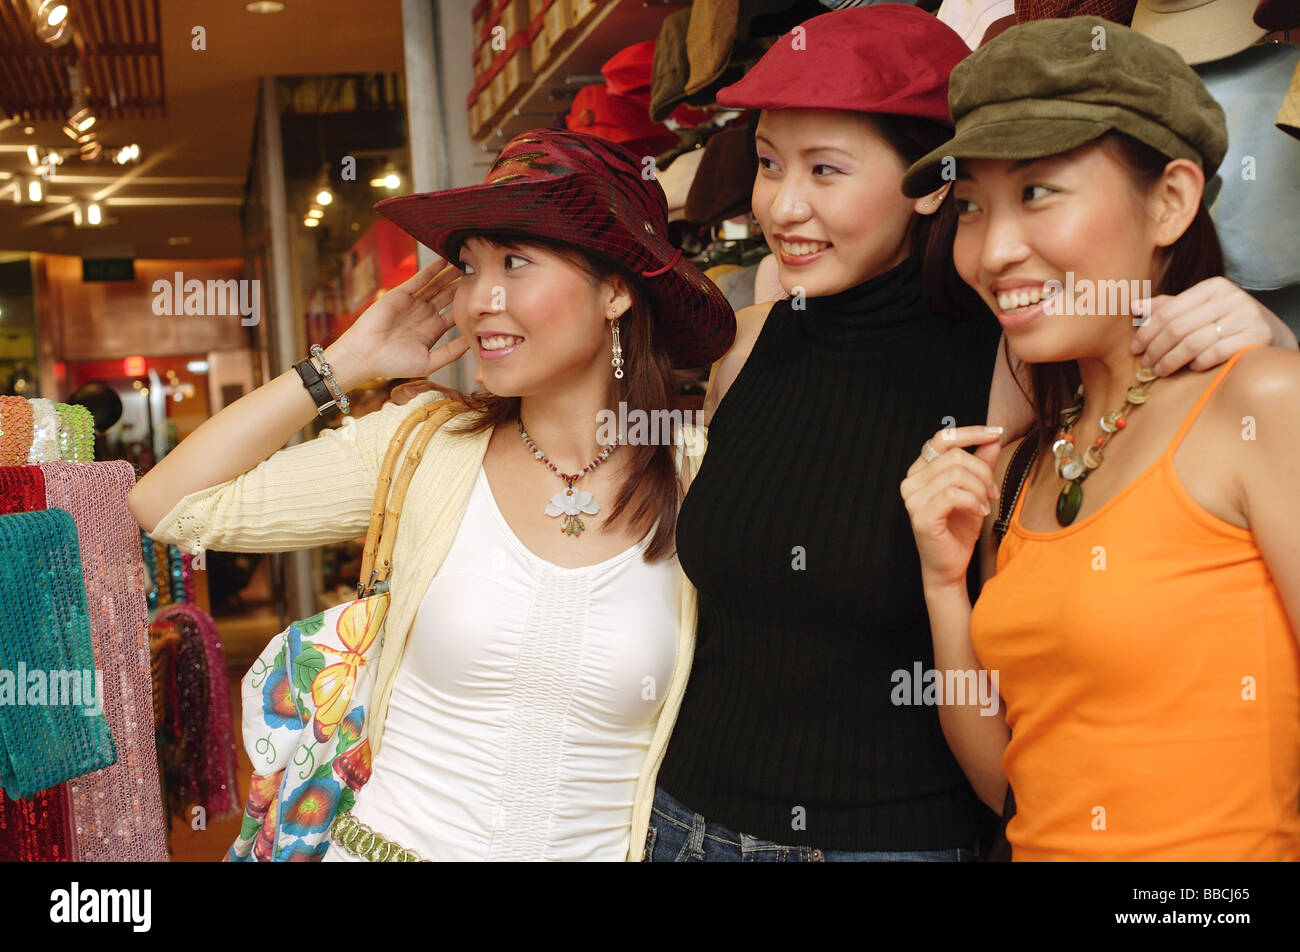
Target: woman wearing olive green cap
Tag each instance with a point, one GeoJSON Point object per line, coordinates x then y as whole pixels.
{"type": "Point", "coordinates": [1143, 615]}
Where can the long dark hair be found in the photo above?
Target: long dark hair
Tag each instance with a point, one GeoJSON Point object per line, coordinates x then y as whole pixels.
{"type": "Point", "coordinates": [1195, 256]}
{"type": "Point", "coordinates": [646, 385]}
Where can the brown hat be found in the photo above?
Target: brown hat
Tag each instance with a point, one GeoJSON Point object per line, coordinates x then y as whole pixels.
{"type": "Point", "coordinates": [671, 67]}
{"type": "Point", "coordinates": [724, 180]}
{"type": "Point", "coordinates": [1200, 30]}
{"type": "Point", "coordinates": [1044, 87]}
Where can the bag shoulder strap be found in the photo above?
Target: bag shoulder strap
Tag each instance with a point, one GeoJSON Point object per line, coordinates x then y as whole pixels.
{"type": "Point", "coordinates": [386, 510]}
{"type": "Point", "coordinates": [1022, 461]}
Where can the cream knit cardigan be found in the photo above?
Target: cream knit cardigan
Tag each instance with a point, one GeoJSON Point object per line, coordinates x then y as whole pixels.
{"type": "Point", "coordinates": [320, 492]}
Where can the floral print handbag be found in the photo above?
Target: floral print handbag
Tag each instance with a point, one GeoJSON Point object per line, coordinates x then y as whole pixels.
{"type": "Point", "coordinates": [305, 697]}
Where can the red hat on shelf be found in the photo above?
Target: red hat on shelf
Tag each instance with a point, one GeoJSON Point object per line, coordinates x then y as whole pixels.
{"type": "Point", "coordinates": [620, 119]}
{"type": "Point", "coordinates": [630, 73]}
{"type": "Point", "coordinates": [888, 58]}
{"type": "Point", "coordinates": [589, 193]}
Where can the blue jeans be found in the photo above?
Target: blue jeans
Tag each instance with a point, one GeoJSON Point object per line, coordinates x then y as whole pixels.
{"type": "Point", "coordinates": [679, 834]}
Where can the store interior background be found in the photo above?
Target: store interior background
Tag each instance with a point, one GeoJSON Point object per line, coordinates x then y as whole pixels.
{"type": "Point", "coordinates": [235, 141]}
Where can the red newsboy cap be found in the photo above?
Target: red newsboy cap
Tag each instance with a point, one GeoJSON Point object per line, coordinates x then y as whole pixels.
{"type": "Point", "coordinates": [887, 58]}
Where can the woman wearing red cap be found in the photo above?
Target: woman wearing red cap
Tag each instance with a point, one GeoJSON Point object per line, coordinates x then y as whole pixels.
{"type": "Point", "coordinates": [809, 730]}
{"type": "Point", "coordinates": [1144, 613]}
{"type": "Point", "coordinates": [540, 629]}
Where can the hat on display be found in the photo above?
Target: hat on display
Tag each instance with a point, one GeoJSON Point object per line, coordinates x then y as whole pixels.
{"type": "Point", "coordinates": [1117, 11]}
{"type": "Point", "coordinates": [1200, 30]}
{"type": "Point", "coordinates": [712, 43]}
{"type": "Point", "coordinates": [1041, 88]}
{"type": "Point", "coordinates": [620, 119]}
{"type": "Point", "coordinates": [589, 193]}
{"type": "Point", "coordinates": [1278, 14]}
{"type": "Point", "coordinates": [898, 56]}
{"type": "Point", "coordinates": [671, 68]}
{"type": "Point", "coordinates": [630, 73]}
{"type": "Point", "coordinates": [676, 181]}
{"type": "Point", "coordinates": [724, 181]}
{"type": "Point", "coordinates": [972, 18]}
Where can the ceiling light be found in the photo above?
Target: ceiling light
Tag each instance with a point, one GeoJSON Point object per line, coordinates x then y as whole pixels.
{"type": "Point", "coordinates": [324, 196]}
{"type": "Point", "coordinates": [315, 213]}
{"type": "Point", "coordinates": [86, 213]}
{"type": "Point", "coordinates": [388, 179]}
{"type": "Point", "coordinates": [33, 156]}
{"type": "Point", "coordinates": [81, 119]}
{"type": "Point", "coordinates": [29, 130]}
{"type": "Point", "coordinates": [311, 222]}
{"type": "Point", "coordinates": [34, 193]}
{"type": "Point", "coordinates": [50, 21]}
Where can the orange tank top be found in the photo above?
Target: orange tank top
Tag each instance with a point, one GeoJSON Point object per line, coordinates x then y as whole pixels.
{"type": "Point", "coordinates": [1151, 682]}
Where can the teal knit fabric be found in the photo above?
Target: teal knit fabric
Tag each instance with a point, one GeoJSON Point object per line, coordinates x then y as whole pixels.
{"type": "Point", "coordinates": [52, 725]}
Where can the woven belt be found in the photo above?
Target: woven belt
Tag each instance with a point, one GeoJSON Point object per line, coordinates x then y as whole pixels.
{"type": "Point", "coordinates": [360, 840]}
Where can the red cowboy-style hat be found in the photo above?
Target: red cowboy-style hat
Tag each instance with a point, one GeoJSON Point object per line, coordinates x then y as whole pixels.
{"type": "Point", "coordinates": [589, 193]}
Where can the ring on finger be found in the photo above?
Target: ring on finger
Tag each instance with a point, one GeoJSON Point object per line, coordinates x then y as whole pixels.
{"type": "Point", "coordinates": [928, 452]}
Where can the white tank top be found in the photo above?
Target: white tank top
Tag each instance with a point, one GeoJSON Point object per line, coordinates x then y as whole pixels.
{"type": "Point", "coordinates": [524, 703]}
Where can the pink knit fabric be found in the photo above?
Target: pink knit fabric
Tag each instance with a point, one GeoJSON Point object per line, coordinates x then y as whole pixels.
{"type": "Point", "coordinates": [118, 810]}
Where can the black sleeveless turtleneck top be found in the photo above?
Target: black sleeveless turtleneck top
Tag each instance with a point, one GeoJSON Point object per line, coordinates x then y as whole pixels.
{"type": "Point", "coordinates": [809, 582]}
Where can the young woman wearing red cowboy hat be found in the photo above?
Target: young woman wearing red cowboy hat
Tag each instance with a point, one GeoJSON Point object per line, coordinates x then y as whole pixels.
{"type": "Point", "coordinates": [540, 630]}
{"type": "Point", "coordinates": [808, 730]}
{"type": "Point", "coordinates": [1142, 609]}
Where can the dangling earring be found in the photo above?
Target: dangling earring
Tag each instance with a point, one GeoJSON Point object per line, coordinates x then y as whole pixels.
{"type": "Point", "coordinates": [618, 354]}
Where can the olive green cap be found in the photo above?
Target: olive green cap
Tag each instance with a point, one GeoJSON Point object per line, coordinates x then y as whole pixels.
{"type": "Point", "coordinates": [1048, 86]}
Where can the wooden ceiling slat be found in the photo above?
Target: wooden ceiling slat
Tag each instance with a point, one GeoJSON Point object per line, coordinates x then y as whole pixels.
{"type": "Point", "coordinates": [9, 98]}
{"type": "Point", "coordinates": [27, 89]}
{"type": "Point", "coordinates": [100, 79]}
{"type": "Point", "coordinates": [137, 36]}
{"type": "Point", "coordinates": [107, 44]}
{"type": "Point", "coordinates": [162, 76]}
{"type": "Point", "coordinates": [122, 35]}
{"type": "Point", "coordinates": [119, 51]}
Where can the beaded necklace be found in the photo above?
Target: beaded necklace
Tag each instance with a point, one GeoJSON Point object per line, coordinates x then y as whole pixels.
{"type": "Point", "coordinates": [569, 504]}
{"type": "Point", "coordinates": [1075, 469]}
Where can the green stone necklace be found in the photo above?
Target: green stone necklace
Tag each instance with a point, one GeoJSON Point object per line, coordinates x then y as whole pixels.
{"type": "Point", "coordinates": [1072, 467]}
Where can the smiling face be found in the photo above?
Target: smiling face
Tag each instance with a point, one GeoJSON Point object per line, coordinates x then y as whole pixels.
{"type": "Point", "coordinates": [1067, 219]}
{"type": "Point", "coordinates": [536, 321]}
{"type": "Point", "coordinates": [828, 198]}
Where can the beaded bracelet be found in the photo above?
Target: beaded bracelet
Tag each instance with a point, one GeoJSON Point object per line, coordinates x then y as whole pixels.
{"type": "Point", "coordinates": [15, 431]}
{"type": "Point", "coordinates": [45, 432]}
{"type": "Point", "coordinates": [327, 374]}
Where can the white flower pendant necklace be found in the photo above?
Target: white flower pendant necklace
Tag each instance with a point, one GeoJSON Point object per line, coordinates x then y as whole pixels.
{"type": "Point", "coordinates": [569, 503]}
